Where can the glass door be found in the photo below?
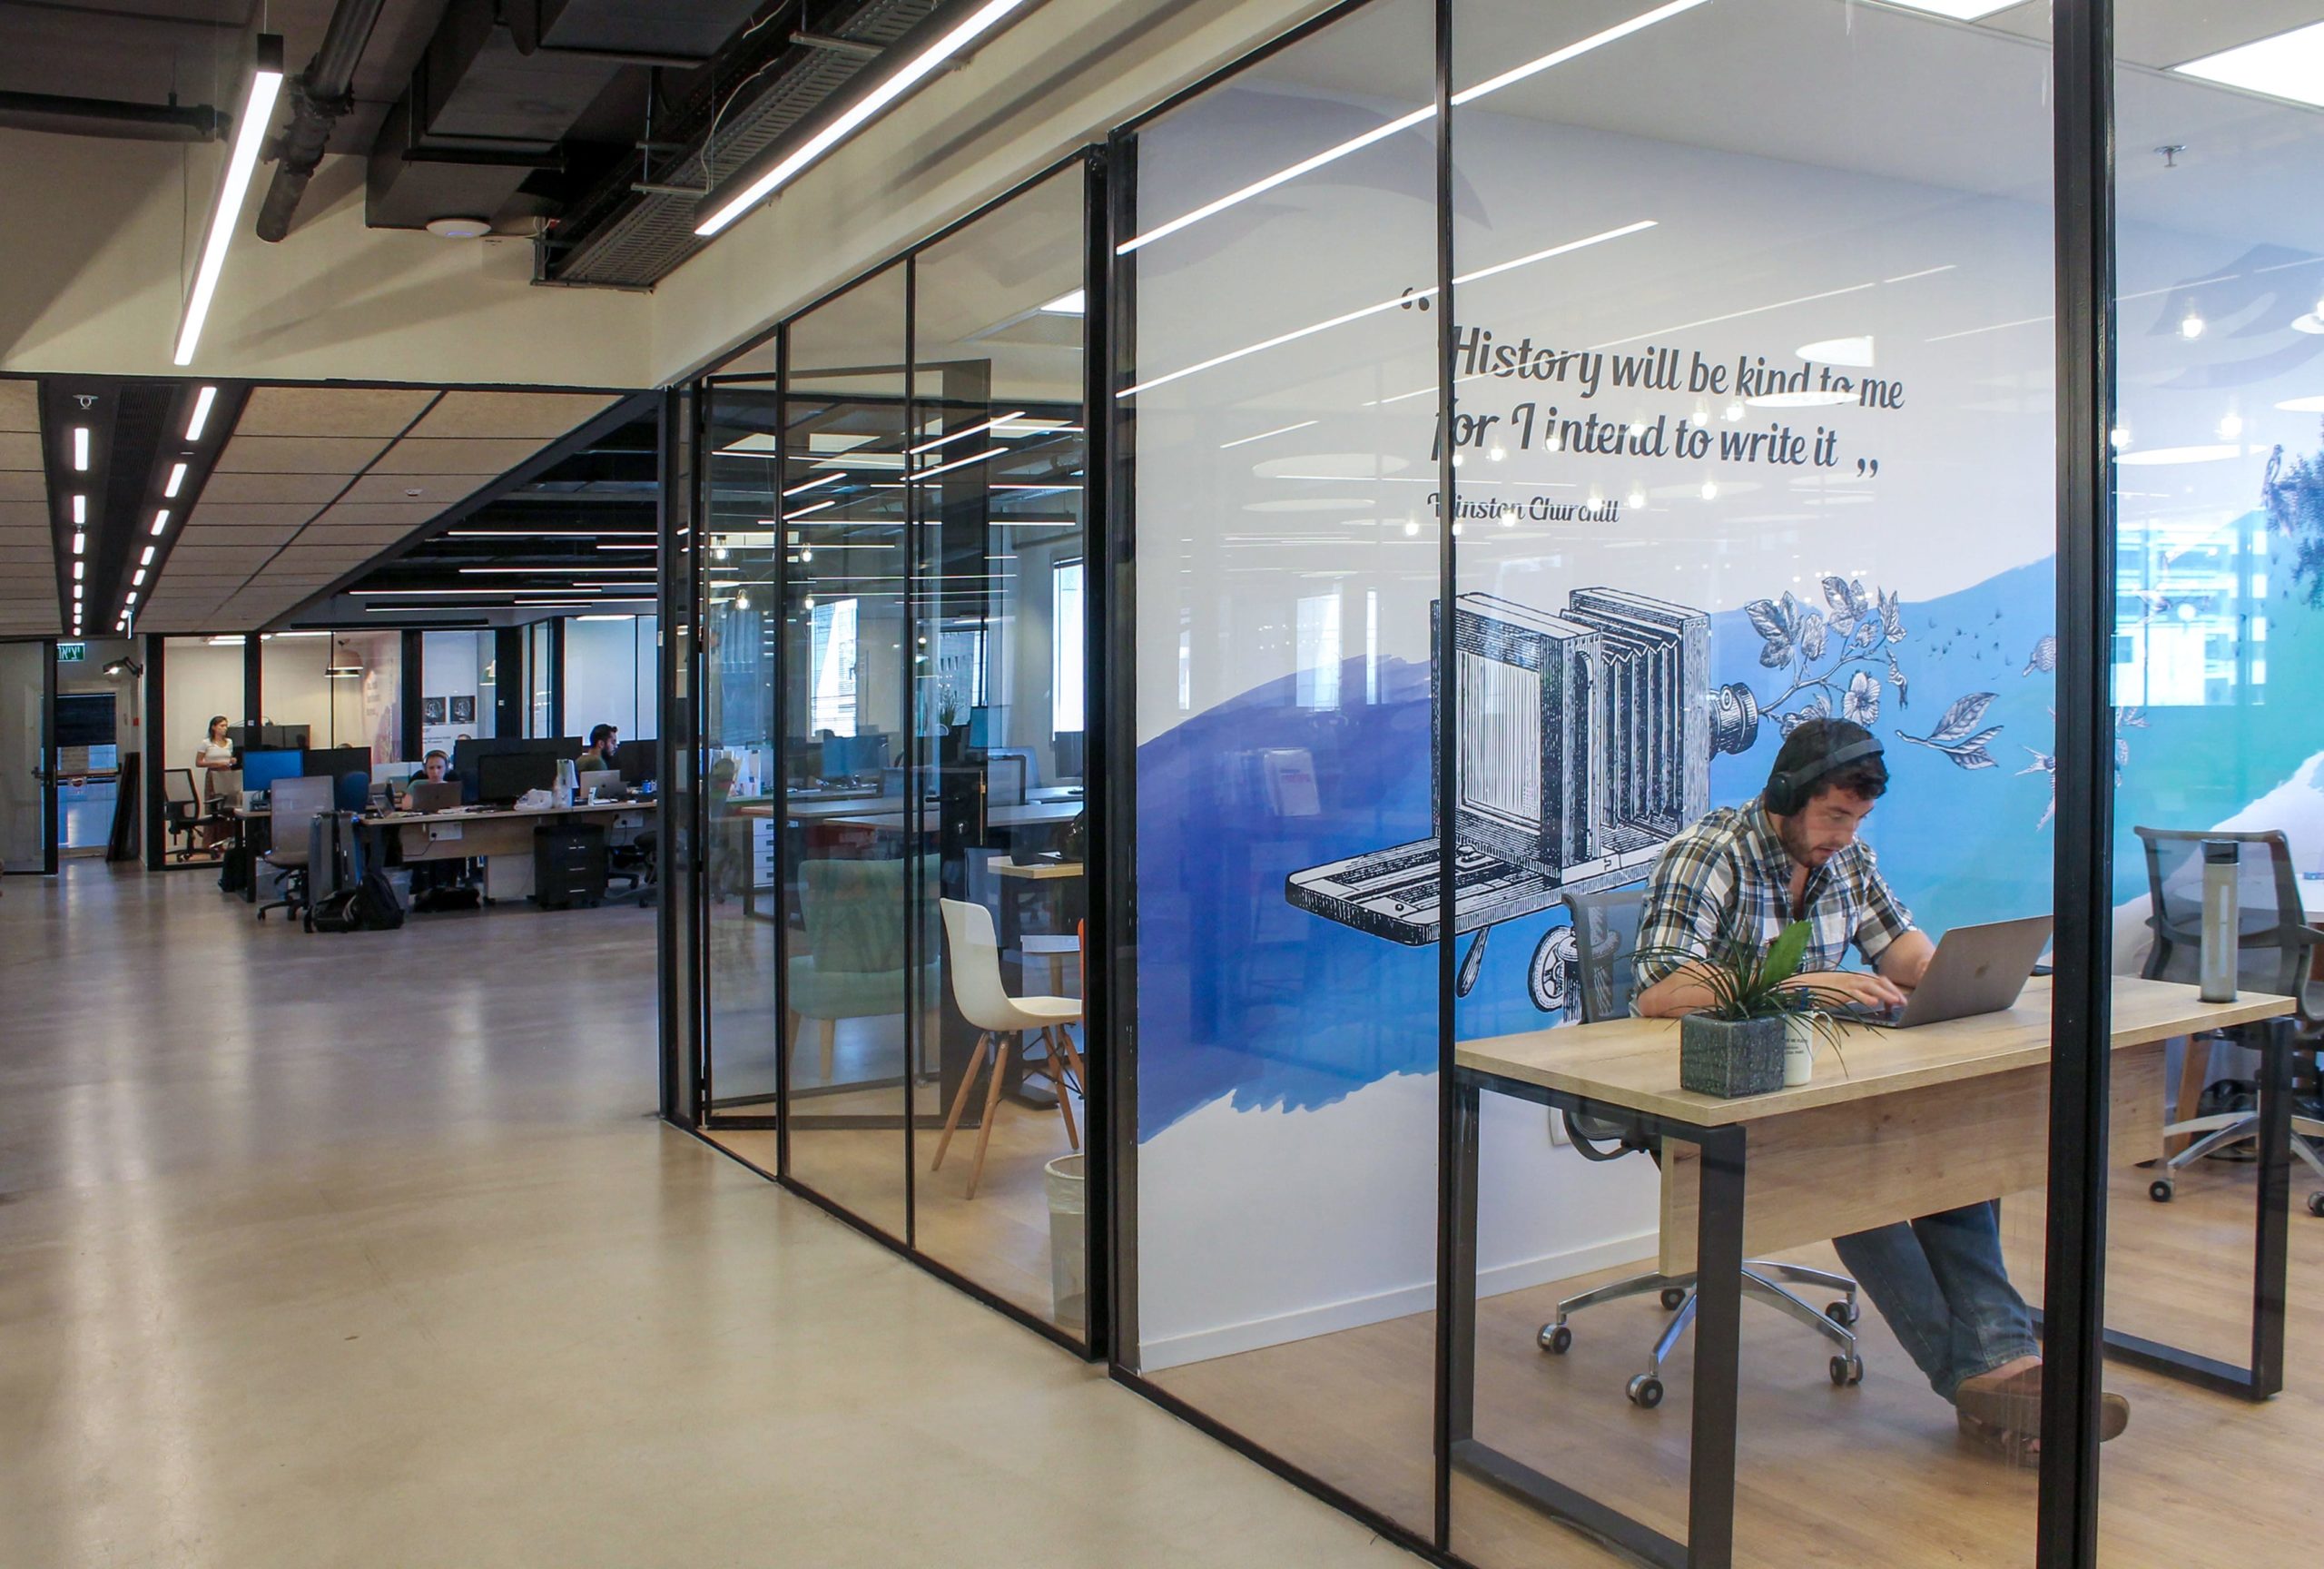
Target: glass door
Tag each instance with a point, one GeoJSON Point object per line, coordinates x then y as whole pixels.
{"type": "Point", "coordinates": [27, 785]}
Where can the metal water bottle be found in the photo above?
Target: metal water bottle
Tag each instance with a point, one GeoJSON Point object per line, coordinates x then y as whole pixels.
{"type": "Point", "coordinates": [2221, 920]}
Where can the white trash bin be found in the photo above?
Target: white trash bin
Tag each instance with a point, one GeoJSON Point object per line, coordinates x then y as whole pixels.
{"type": "Point", "coordinates": [1069, 1242]}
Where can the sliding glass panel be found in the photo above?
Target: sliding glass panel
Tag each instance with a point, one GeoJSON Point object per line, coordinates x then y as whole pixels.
{"type": "Point", "coordinates": [1754, 436]}
{"type": "Point", "coordinates": [735, 662]}
{"type": "Point", "coordinates": [2218, 655]}
{"type": "Point", "coordinates": [1286, 261]}
{"type": "Point", "coordinates": [849, 835]}
{"type": "Point", "coordinates": [997, 672]}
{"type": "Point", "coordinates": [203, 740]}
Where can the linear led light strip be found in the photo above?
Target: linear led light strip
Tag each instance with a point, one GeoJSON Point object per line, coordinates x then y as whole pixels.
{"type": "Point", "coordinates": [1407, 121]}
{"type": "Point", "coordinates": [1374, 310]}
{"type": "Point", "coordinates": [977, 23]}
{"type": "Point", "coordinates": [250, 136]}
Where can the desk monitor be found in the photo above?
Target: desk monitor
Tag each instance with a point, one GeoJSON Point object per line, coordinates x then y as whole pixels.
{"type": "Point", "coordinates": [284, 737]}
{"type": "Point", "coordinates": [506, 775]}
{"type": "Point", "coordinates": [803, 761]}
{"type": "Point", "coordinates": [261, 769]}
{"type": "Point", "coordinates": [338, 762]}
{"type": "Point", "coordinates": [1065, 754]}
{"type": "Point", "coordinates": [637, 760]}
{"type": "Point", "coordinates": [853, 756]}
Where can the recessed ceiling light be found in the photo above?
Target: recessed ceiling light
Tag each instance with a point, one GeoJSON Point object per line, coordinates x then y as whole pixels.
{"type": "Point", "coordinates": [1956, 10]}
{"type": "Point", "coordinates": [1074, 304]}
{"type": "Point", "coordinates": [459, 228]}
{"type": "Point", "coordinates": [80, 510]}
{"type": "Point", "coordinates": [137, 578]}
{"type": "Point", "coordinates": [199, 419]}
{"type": "Point", "coordinates": [80, 543]}
{"type": "Point", "coordinates": [80, 570]}
{"type": "Point", "coordinates": [1851, 351]}
{"type": "Point", "coordinates": [81, 448]}
{"type": "Point", "coordinates": [161, 520]}
{"type": "Point", "coordinates": [2288, 65]}
{"type": "Point", "coordinates": [177, 477]}
{"type": "Point", "coordinates": [147, 559]}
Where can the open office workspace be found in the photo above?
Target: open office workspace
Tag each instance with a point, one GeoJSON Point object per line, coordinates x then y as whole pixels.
{"type": "Point", "coordinates": [1478, 440]}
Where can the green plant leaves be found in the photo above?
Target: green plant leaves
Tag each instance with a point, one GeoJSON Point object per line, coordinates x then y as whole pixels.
{"type": "Point", "coordinates": [1785, 954]}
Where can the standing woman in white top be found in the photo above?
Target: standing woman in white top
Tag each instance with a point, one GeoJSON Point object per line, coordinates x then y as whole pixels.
{"type": "Point", "coordinates": [215, 757]}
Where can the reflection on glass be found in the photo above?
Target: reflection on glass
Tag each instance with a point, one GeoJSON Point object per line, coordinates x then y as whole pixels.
{"type": "Point", "coordinates": [2218, 451]}
{"type": "Point", "coordinates": [25, 827]}
{"type": "Point", "coordinates": [1287, 558]}
{"type": "Point", "coordinates": [999, 670]}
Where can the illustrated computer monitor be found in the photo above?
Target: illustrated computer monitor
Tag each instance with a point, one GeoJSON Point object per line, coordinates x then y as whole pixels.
{"type": "Point", "coordinates": [261, 769]}
{"type": "Point", "coordinates": [506, 775]}
{"type": "Point", "coordinates": [636, 760]}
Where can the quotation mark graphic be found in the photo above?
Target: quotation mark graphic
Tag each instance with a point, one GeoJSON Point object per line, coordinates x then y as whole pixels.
{"type": "Point", "coordinates": [1405, 301]}
{"type": "Point", "coordinates": [1867, 467]}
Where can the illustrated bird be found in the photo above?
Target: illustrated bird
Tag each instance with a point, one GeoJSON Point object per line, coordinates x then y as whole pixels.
{"type": "Point", "coordinates": [2045, 764]}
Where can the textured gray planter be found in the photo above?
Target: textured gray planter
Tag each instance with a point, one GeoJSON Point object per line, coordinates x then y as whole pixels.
{"type": "Point", "coordinates": [1724, 1057]}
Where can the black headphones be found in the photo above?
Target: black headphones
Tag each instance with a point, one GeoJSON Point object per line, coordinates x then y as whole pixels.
{"type": "Point", "coordinates": [1792, 789]}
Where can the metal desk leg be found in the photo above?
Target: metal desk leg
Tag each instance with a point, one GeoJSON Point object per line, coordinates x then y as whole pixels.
{"type": "Point", "coordinates": [1462, 1359]}
{"type": "Point", "coordinates": [1719, 1328]}
{"type": "Point", "coordinates": [2272, 1246]}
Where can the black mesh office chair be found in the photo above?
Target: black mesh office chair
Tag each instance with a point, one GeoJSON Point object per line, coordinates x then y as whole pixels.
{"type": "Point", "coordinates": [2275, 953]}
{"type": "Point", "coordinates": [1605, 932]}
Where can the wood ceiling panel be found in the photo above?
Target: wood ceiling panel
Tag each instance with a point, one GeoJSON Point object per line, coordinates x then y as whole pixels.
{"type": "Point", "coordinates": [434, 491]}
{"type": "Point", "coordinates": [196, 561]}
{"type": "Point", "coordinates": [23, 555]}
{"type": "Point", "coordinates": [413, 455]}
{"type": "Point", "coordinates": [344, 455]}
{"type": "Point", "coordinates": [375, 538]}
{"type": "Point", "coordinates": [24, 514]}
{"type": "Point", "coordinates": [20, 449]}
{"type": "Point", "coordinates": [405, 516]}
{"type": "Point", "coordinates": [332, 410]}
{"type": "Point", "coordinates": [23, 484]}
{"type": "Point", "coordinates": [315, 489]}
{"type": "Point", "coordinates": [544, 416]}
{"type": "Point", "coordinates": [250, 515]}
{"type": "Point", "coordinates": [268, 535]}
{"type": "Point", "coordinates": [19, 405]}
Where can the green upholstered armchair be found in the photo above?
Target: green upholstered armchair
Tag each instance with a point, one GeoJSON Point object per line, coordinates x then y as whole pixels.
{"type": "Point", "coordinates": [854, 965]}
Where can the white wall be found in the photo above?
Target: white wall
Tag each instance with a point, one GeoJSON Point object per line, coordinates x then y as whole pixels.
{"type": "Point", "coordinates": [609, 676]}
{"type": "Point", "coordinates": [292, 689]}
{"type": "Point", "coordinates": [452, 665]}
{"type": "Point", "coordinates": [197, 681]}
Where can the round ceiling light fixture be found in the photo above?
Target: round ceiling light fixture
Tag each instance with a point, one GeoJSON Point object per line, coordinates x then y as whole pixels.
{"type": "Point", "coordinates": [459, 228]}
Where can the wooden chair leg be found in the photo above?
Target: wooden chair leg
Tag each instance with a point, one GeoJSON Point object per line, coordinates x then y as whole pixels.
{"type": "Point", "coordinates": [1073, 1060]}
{"type": "Point", "coordinates": [2194, 1072]}
{"type": "Point", "coordinates": [1064, 1098]}
{"type": "Point", "coordinates": [831, 1051]}
{"type": "Point", "coordinates": [991, 1112]}
{"type": "Point", "coordinates": [959, 1100]}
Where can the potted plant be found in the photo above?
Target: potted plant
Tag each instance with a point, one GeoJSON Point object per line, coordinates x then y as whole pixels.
{"type": "Point", "coordinates": [1734, 1046]}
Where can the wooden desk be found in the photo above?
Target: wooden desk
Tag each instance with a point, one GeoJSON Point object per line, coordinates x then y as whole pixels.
{"type": "Point", "coordinates": [506, 833]}
{"type": "Point", "coordinates": [1921, 1121]}
{"type": "Point", "coordinates": [1035, 872]}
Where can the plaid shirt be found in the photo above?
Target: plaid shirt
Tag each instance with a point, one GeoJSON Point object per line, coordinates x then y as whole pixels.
{"type": "Point", "coordinates": [1727, 879]}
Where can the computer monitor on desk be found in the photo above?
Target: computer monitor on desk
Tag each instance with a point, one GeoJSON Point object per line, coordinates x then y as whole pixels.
{"type": "Point", "coordinates": [262, 769]}
{"type": "Point", "coordinates": [339, 762]}
{"type": "Point", "coordinates": [503, 776]}
{"type": "Point", "coordinates": [638, 761]}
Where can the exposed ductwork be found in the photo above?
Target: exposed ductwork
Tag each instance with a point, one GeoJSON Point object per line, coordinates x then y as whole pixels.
{"type": "Point", "coordinates": [318, 96]}
{"type": "Point", "coordinates": [171, 122]}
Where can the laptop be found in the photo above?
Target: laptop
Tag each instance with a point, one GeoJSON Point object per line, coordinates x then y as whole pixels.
{"type": "Point", "coordinates": [1975, 970]}
{"type": "Point", "coordinates": [599, 782]}
{"type": "Point", "coordinates": [443, 797]}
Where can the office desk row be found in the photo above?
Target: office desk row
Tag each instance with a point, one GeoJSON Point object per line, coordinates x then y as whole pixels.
{"type": "Point", "coordinates": [500, 838]}
{"type": "Point", "coordinates": [1921, 1121]}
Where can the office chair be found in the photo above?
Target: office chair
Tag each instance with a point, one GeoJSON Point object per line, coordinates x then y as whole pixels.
{"type": "Point", "coordinates": [848, 961]}
{"type": "Point", "coordinates": [1605, 931]}
{"type": "Point", "coordinates": [2275, 953]}
{"type": "Point", "coordinates": [297, 803]}
{"type": "Point", "coordinates": [986, 1003]}
{"type": "Point", "coordinates": [181, 811]}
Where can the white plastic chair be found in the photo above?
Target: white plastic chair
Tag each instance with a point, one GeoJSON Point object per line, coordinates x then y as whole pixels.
{"type": "Point", "coordinates": [985, 1003]}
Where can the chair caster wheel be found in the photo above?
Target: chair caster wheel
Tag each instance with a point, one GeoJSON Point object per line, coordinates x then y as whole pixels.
{"type": "Point", "coordinates": [1847, 1370]}
{"type": "Point", "coordinates": [1844, 1312]}
{"type": "Point", "coordinates": [2161, 1189]}
{"type": "Point", "coordinates": [1673, 1298]}
{"type": "Point", "coordinates": [1646, 1391]}
{"type": "Point", "coordinates": [2316, 1204]}
{"type": "Point", "coordinates": [1557, 1339]}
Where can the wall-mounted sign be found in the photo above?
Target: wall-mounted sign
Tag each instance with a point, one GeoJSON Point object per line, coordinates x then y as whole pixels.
{"type": "Point", "coordinates": [71, 653]}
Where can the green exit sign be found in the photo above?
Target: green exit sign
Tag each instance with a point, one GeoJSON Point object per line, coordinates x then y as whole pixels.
{"type": "Point", "coordinates": [71, 653]}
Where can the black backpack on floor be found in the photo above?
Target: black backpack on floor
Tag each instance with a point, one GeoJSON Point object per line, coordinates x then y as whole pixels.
{"type": "Point", "coordinates": [378, 906]}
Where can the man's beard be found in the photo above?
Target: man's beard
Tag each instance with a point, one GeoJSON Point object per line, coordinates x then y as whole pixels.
{"type": "Point", "coordinates": [1793, 837]}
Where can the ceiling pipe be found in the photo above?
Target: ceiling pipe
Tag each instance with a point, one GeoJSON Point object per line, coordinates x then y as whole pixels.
{"type": "Point", "coordinates": [318, 96]}
{"type": "Point", "coordinates": [176, 121]}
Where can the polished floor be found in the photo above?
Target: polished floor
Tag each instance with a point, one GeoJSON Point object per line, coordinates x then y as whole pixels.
{"type": "Point", "coordinates": [367, 1250]}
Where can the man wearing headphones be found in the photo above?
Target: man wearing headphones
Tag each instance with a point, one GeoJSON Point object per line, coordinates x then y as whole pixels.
{"type": "Point", "coordinates": [1741, 875]}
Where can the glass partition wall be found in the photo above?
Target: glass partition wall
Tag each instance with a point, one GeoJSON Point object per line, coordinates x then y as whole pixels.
{"type": "Point", "coordinates": [892, 754]}
{"type": "Point", "coordinates": [1588, 493]}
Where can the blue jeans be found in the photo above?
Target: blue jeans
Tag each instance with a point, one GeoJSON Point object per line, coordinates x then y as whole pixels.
{"type": "Point", "coordinates": [1941, 1284]}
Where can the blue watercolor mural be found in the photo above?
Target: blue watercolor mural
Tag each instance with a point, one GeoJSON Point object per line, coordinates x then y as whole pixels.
{"type": "Point", "coordinates": [1243, 995]}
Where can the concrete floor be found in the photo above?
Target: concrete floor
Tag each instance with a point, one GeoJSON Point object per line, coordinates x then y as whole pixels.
{"type": "Point", "coordinates": [366, 1250]}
